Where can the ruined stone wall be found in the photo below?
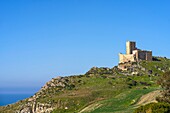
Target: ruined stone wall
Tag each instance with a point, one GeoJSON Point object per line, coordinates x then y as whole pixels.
{"type": "Point", "coordinates": [149, 56]}
{"type": "Point", "coordinates": [130, 46]}
{"type": "Point", "coordinates": [133, 54]}
{"type": "Point", "coordinates": [126, 58]}
{"type": "Point", "coordinates": [124, 66]}
{"type": "Point", "coordinates": [143, 55]}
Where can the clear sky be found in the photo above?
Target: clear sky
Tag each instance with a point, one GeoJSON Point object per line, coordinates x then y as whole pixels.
{"type": "Point", "coordinates": [42, 39]}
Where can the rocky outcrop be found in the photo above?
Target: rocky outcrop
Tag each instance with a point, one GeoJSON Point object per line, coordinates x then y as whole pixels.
{"type": "Point", "coordinates": [34, 107]}
{"type": "Point", "coordinates": [102, 71]}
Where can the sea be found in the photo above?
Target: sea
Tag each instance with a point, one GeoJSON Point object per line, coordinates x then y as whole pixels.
{"type": "Point", "coordinates": [10, 95]}
{"type": "Point", "coordinates": [6, 99]}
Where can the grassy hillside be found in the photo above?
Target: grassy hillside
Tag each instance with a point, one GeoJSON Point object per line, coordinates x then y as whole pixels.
{"type": "Point", "coordinates": [99, 90]}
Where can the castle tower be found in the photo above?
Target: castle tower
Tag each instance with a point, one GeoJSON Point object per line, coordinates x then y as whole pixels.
{"type": "Point", "coordinates": [130, 46]}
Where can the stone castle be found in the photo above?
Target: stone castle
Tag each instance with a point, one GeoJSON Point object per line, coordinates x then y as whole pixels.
{"type": "Point", "coordinates": [133, 54]}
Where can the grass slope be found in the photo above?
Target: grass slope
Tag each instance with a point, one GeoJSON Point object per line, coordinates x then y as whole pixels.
{"type": "Point", "coordinates": [101, 90]}
{"type": "Point", "coordinates": [122, 103]}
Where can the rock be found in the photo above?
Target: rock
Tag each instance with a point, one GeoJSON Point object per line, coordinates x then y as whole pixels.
{"type": "Point", "coordinates": [61, 84]}
{"type": "Point", "coordinates": [150, 71]}
{"type": "Point", "coordinates": [159, 69]}
{"type": "Point", "coordinates": [134, 83]}
{"type": "Point", "coordinates": [53, 80]}
{"type": "Point", "coordinates": [144, 83]}
{"type": "Point", "coordinates": [30, 99]}
{"type": "Point", "coordinates": [156, 74]}
{"type": "Point", "coordinates": [26, 110]}
{"type": "Point", "coordinates": [143, 69]}
{"type": "Point", "coordinates": [52, 84]}
{"type": "Point", "coordinates": [135, 73]}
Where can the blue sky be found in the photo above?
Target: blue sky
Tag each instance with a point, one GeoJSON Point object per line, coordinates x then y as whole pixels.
{"type": "Point", "coordinates": [42, 39]}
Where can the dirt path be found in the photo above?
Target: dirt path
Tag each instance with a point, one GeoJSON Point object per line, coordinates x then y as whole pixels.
{"type": "Point", "coordinates": [91, 107]}
{"type": "Point", "coordinates": [148, 98]}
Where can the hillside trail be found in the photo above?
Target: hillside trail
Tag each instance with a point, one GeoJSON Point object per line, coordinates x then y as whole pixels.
{"type": "Point", "coordinates": [148, 98]}
{"type": "Point", "coordinates": [91, 107]}
{"type": "Point", "coordinates": [143, 100]}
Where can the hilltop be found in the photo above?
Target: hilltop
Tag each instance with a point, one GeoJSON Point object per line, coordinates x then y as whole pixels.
{"type": "Point", "coordinates": [99, 90]}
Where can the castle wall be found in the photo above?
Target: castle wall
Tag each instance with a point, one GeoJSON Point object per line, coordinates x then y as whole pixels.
{"type": "Point", "coordinates": [130, 46]}
{"type": "Point", "coordinates": [133, 54]}
{"type": "Point", "coordinates": [126, 58]}
{"type": "Point", "coordinates": [143, 55]}
{"type": "Point", "coordinates": [149, 56]}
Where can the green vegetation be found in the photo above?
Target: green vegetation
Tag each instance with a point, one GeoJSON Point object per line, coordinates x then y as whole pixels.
{"type": "Point", "coordinates": [154, 108]}
{"type": "Point", "coordinates": [164, 81]}
{"type": "Point", "coordinates": [100, 89]}
{"type": "Point", "coordinates": [123, 102]}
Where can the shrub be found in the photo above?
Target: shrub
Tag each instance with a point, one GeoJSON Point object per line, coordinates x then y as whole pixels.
{"type": "Point", "coordinates": [154, 108]}
{"type": "Point", "coordinates": [164, 81]}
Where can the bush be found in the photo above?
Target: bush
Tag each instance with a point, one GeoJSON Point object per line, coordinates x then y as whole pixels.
{"type": "Point", "coordinates": [154, 108]}
{"type": "Point", "coordinates": [164, 81]}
